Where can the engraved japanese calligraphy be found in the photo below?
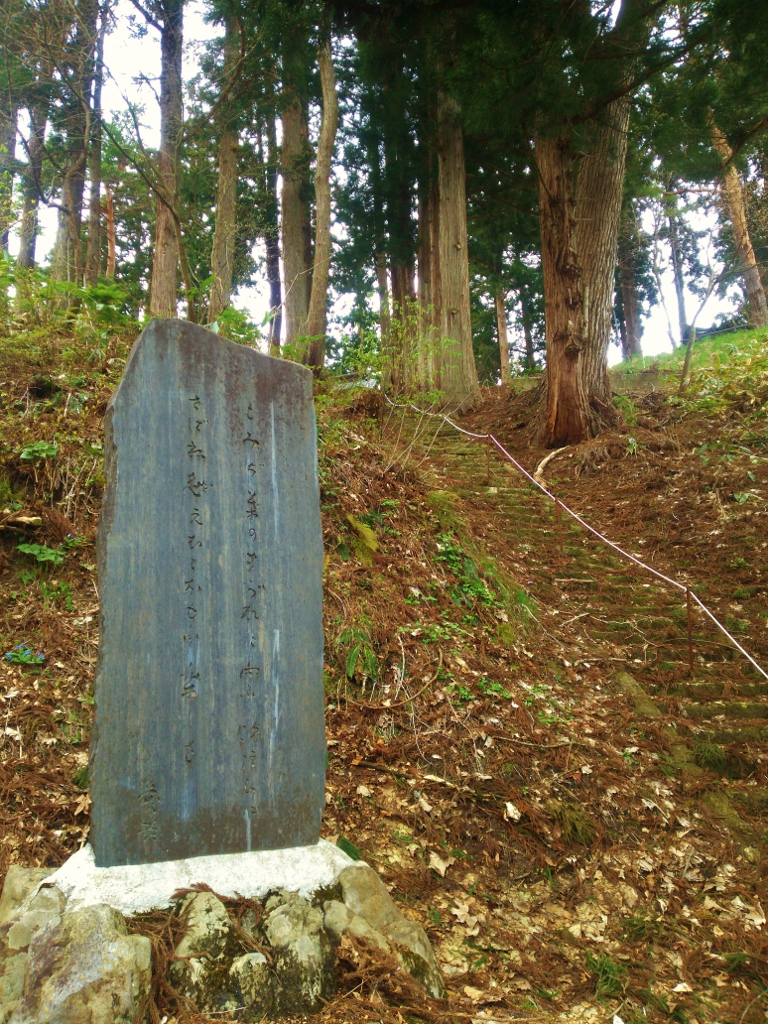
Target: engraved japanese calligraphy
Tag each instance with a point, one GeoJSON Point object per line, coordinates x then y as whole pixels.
{"type": "Point", "coordinates": [209, 720]}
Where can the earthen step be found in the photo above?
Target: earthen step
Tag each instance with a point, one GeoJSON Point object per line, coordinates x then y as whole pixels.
{"type": "Point", "coordinates": [729, 709]}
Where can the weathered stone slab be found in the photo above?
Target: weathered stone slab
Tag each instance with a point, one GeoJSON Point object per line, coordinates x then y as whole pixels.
{"type": "Point", "coordinates": [208, 735]}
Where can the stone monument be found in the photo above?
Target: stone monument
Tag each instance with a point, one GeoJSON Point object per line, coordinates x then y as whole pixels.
{"type": "Point", "coordinates": [209, 734]}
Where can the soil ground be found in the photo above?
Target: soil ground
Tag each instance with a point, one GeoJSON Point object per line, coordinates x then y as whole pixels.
{"type": "Point", "coordinates": [516, 741]}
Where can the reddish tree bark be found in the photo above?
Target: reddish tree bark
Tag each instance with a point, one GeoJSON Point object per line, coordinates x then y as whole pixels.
{"type": "Point", "coordinates": [456, 373]}
{"type": "Point", "coordinates": [224, 235]}
{"type": "Point", "coordinates": [165, 265]}
{"type": "Point", "coordinates": [733, 202]}
{"type": "Point", "coordinates": [318, 300]}
{"type": "Point", "coordinates": [580, 206]}
{"type": "Point", "coordinates": [296, 222]}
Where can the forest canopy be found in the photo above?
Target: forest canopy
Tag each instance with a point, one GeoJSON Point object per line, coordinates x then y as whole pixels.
{"type": "Point", "coordinates": [472, 188]}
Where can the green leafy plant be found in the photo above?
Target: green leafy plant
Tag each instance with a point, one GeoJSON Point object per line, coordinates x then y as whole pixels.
{"type": "Point", "coordinates": [57, 592]}
{"type": "Point", "coordinates": [39, 450]}
{"type": "Point", "coordinates": [471, 589]}
{"type": "Point", "coordinates": [360, 654]}
{"type": "Point", "coordinates": [41, 553]}
{"type": "Point", "coordinates": [23, 654]}
{"type": "Point", "coordinates": [490, 688]}
{"type": "Point", "coordinates": [365, 542]}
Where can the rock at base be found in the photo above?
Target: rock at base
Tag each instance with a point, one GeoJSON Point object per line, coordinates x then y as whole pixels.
{"type": "Point", "coordinates": [85, 969]}
{"type": "Point", "coordinates": [303, 956]}
{"type": "Point", "coordinates": [76, 964]}
{"type": "Point", "coordinates": [19, 884]}
{"type": "Point", "coordinates": [205, 954]}
{"type": "Point", "coordinates": [366, 896]}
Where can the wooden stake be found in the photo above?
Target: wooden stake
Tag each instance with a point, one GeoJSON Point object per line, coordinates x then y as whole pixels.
{"type": "Point", "coordinates": [559, 525]}
{"type": "Point", "coordinates": [488, 459]}
{"type": "Point", "coordinates": [690, 629]}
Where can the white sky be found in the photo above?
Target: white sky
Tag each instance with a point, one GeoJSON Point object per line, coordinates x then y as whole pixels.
{"type": "Point", "coordinates": [127, 58]}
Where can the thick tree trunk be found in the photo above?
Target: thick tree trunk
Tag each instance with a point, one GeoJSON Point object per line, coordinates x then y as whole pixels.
{"type": "Point", "coordinates": [318, 301]}
{"type": "Point", "coordinates": [224, 235]}
{"type": "Point", "coordinates": [272, 240]}
{"type": "Point", "coordinates": [579, 235]}
{"type": "Point", "coordinates": [733, 201]}
{"type": "Point", "coordinates": [675, 249]}
{"type": "Point", "coordinates": [165, 264]}
{"type": "Point", "coordinates": [297, 227]}
{"type": "Point", "coordinates": [110, 226]}
{"type": "Point", "coordinates": [501, 327]}
{"type": "Point", "coordinates": [8, 153]}
{"type": "Point", "coordinates": [457, 375]}
{"type": "Point", "coordinates": [93, 248]}
{"type": "Point", "coordinates": [223, 250]}
{"type": "Point", "coordinates": [67, 257]}
{"type": "Point", "coordinates": [32, 185]}
{"type": "Point", "coordinates": [630, 300]}
{"type": "Point", "coordinates": [429, 276]}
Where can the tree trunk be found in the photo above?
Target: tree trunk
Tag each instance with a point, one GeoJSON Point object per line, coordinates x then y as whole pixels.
{"type": "Point", "coordinates": [673, 221]}
{"type": "Point", "coordinates": [733, 200]}
{"type": "Point", "coordinates": [385, 322]}
{"type": "Point", "coordinates": [630, 300]}
{"type": "Point", "coordinates": [8, 149]}
{"type": "Point", "coordinates": [165, 264]}
{"type": "Point", "coordinates": [579, 234]}
{"type": "Point", "coordinates": [32, 185]}
{"type": "Point", "coordinates": [224, 235]}
{"type": "Point", "coordinates": [501, 326]}
{"type": "Point", "coordinates": [457, 377]}
{"type": "Point", "coordinates": [429, 274]}
{"type": "Point", "coordinates": [319, 295]}
{"type": "Point", "coordinates": [93, 249]}
{"type": "Point", "coordinates": [272, 240]}
{"type": "Point", "coordinates": [67, 258]}
{"type": "Point", "coordinates": [110, 226]}
{"type": "Point", "coordinates": [525, 309]}
{"type": "Point", "coordinates": [297, 227]}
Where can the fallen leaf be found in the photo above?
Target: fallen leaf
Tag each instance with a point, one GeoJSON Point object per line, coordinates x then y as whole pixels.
{"type": "Point", "coordinates": [511, 813]}
{"type": "Point", "coordinates": [439, 865]}
{"type": "Point", "coordinates": [363, 791]}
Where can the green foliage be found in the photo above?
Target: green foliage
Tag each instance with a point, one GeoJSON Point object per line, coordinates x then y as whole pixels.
{"type": "Point", "coordinates": [41, 553]}
{"type": "Point", "coordinates": [576, 825]}
{"type": "Point", "coordinates": [470, 588]}
{"type": "Point", "coordinates": [57, 592]}
{"type": "Point", "coordinates": [711, 756]}
{"type": "Point", "coordinates": [39, 450]}
{"type": "Point", "coordinates": [23, 654]}
{"type": "Point", "coordinates": [360, 655]}
{"type": "Point", "coordinates": [235, 325]}
{"type": "Point", "coordinates": [491, 688]}
{"type": "Point", "coordinates": [364, 541]}
{"type": "Point", "coordinates": [609, 975]}
{"type": "Point", "coordinates": [349, 848]}
{"type": "Point", "coordinates": [627, 409]}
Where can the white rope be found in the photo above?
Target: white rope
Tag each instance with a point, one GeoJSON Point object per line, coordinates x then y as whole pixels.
{"type": "Point", "coordinates": [574, 515]}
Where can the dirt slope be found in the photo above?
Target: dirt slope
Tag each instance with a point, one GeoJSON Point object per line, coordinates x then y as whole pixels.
{"type": "Point", "coordinates": [514, 740]}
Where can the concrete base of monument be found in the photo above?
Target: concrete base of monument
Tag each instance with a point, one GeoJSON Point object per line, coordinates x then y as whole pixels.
{"type": "Point", "coordinates": [67, 953]}
{"type": "Point", "coordinates": [138, 888]}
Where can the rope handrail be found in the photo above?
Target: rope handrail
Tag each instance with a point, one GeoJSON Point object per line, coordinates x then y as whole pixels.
{"type": "Point", "coordinates": [582, 522]}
